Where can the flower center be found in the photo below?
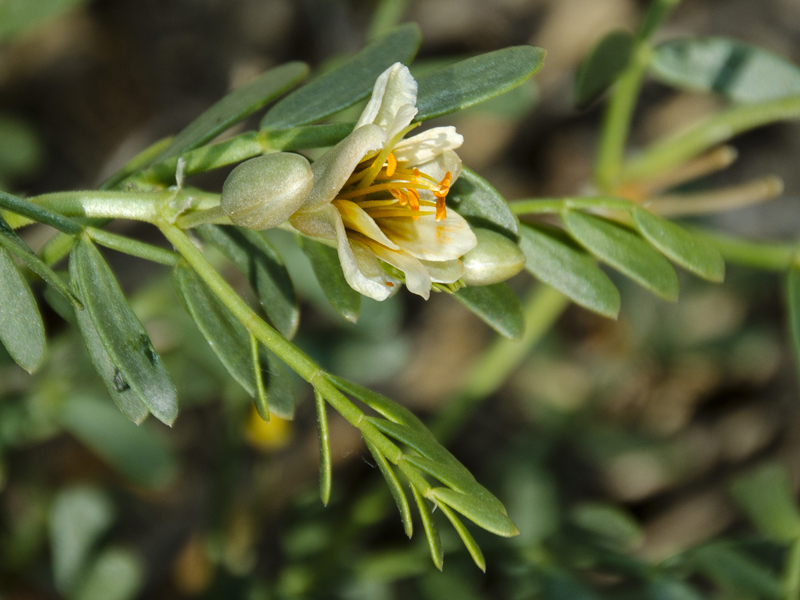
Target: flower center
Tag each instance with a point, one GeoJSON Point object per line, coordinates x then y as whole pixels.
{"type": "Point", "coordinates": [395, 191]}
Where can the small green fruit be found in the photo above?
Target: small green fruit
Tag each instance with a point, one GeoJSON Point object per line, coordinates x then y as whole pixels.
{"type": "Point", "coordinates": [494, 259]}
{"type": "Point", "coordinates": [263, 192]}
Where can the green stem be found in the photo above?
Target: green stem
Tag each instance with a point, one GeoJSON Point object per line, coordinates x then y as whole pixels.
{"type": "Point", "coordinates": [542, 309]}
{"type": "Point", "coordinates": [557, 205]}
{"type": "Point", "coordinates": [214, 215]}
{"type": "Point", "coordinates": [766, 256]}
{"type": "Point", "coordinates": [137, 206]}
{"type": "Point", "coordinates": [124, 244]}
{"type": "Point", "coordinates": [290, 354]}
{"type": "Point", "coordinates": [676, 150]}
{"type": "Point", "coordinates": [617, 121]}
{"type": "Point", "coordinates": [791, 579]}
{"type": "Point", "coordinates": [29, 209]}
{"type": "Point", "coordinates": [619, 112]}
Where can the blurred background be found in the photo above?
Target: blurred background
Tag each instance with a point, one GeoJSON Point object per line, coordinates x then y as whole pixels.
{"type": "Point", "coordinates": [614, 446]}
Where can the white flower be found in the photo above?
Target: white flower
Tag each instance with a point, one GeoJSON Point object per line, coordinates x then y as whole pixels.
{"type": "Point", "coordinates": [380, 197]}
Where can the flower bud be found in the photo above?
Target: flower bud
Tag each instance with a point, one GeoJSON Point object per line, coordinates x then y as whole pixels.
{"type": "Point", "coordinates": [263, 192]}
{"type": "Point", "coordinates": [494, 259]}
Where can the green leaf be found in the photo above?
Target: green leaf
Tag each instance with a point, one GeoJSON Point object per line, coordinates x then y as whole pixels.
{"type": "Point", "coordinates": [227, 337]}
{"type": "Point", "coordinates": [123, 395]}
{"type": "Point", "coordinates": [766, 495]}
{"type": "Point", "coordinates": [625, 251]}
{"type": "Point", "coordinates": [136, 363]}
{"type": "Point", "coordinates": [481, 205]}
{"type": "Point", "coordinates": [437, 461]}
{"type": "Point", "coordinates": [732, 69]}
{"type": "Point", "coordinates": [380, 404]}
{"type": "Point", "coordinates": [345, 85]}
{"type": "Point", "coordinates": [476, 79]}
{"type": "Point", "coordinates": [16, 246]}
{"type": "Point", "coordinates": [324, 449]}
{"type": "Point", "coordinates": [431, 531]}
{"type": "Point", "coordinates": [78, 517]}
{"type": "Point", "coordinates": [394, 487]}
{"type": "Point", "coordinates": [606, 61]}
{"type": "Point", "coordinates": [17, 16]}
{"type": "Point", "coordinates": [497, 305]}
{"type": "Point", "coordinates": [688, 250]}
{"type": "Point", "coordinates": [21, 327]}
{"type": "Point", "coordinates": [136, 452]}
{"type": "Point", "coordinates": [308, 136]}
{"type": "Point", "coordinates": [325, 263]}
{"type": "Point", "coordinates": [236, 106]}
{"type": "Point", "coordinates": [553, 258]}
{"type": "Point", "coordinates": [476, 511]}
{"type": "Point", "coordinates": [735, 571]}
{"type": "Point", "coordinates": [466, 537]}
{"type": "Point", "coordinates": [793, 307]}
{"type": "Point", "coordinates": [117, 574]}
{"type": "Point", "coordinates": [254, 256]}
{"type": "Point", "coordinates": [137, 163]}
{"type": "Point", "coordinates": [261, 398]}
{"type": "Point", "coordinates": [279, 386]}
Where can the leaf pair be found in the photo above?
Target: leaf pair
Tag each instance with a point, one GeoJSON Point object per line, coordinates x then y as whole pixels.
{"type": "Point", "coordinates": [553, 257]}
{"type": "Point", "coordinates": [461, 492]}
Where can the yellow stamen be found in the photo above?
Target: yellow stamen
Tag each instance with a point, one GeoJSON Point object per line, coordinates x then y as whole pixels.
{"type": "Point", "coordinates": [391, 166]}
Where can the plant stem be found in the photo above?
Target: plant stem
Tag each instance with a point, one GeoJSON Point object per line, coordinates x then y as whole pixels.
{"type": "Point", "coordinates": [617, 121]}
{"type": "Point", "coordinates": [676, 150]}
{"type": "Point", "coordinates": [124, 244]}
{"type": "Point", "coordinates": [137, 206]}
{"type": "Point", "coordinates": [557, 205]}
{"type": "Point", "coordinates": [214, 215]}
{"type": "Point", "coordinates": [542, 309]}
{"type": "Point", "coordinates": [29, 209]}
{"type": "Point", "coordinates": [766, 256]}
{"type": "Point", "coordinates": [620, 108]}
{"type": "Point", "coordinates": [280, 346]}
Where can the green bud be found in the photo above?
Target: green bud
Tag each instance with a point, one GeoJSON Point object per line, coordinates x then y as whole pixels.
{"type": "Point", "coordinates": [263, 192]}
{"type": "Point", "coordinates": [494, 259]}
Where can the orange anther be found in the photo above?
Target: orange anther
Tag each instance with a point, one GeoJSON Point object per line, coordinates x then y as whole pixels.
{"type": "Point", "coordinates": [413, 198]}
{"type": "Point", "coordinates": [391, 166]}
{"type": "Point", "coordinates": [441, 209]}
{"type": "Point", "coordinates": [401, 195]}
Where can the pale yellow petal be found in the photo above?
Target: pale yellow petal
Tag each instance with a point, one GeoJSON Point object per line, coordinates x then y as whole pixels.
{"type": "Point", "coordinates": [446, 271]}
{"type": "Point", "coordinates": [426, 146]}
{"type": "Point", "coordinates": [447, 161]}
{"type": "Point", "coordinates": [355, 218]}
{"type": "Point", "coordinates": [418, 280]}
{"type": "Point", "coordinates": [333, 168]}
{"type": "Point", "coordinates": [394, 88]}
{"type": "Point", "coordinates": [428, 239]}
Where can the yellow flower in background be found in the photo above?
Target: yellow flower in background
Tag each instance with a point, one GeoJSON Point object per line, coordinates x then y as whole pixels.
{"type": "Point", "coordinates": [381, 197]}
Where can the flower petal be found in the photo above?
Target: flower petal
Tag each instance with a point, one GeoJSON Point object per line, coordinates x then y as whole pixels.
{"type": "Point", "coordinates": [356, 218]}
{"type": "Point", "coordinates": [394, 88]}
{"type": "Point", "coordinates": [446, 271]}
{"type": "Point", "coordinates": [362, 271]}
{"type": "Point", "coordinates": [320, 223]}
{"type": "Point", "coordinates": [333, 168]}
{"type": "Point", "coordinates": [418, 280]}
{"type": "Point", "coordinates": [429, 239]}
{"type": "Point", "coordinates": [427, 145]}
{"type": "Point", "coordinates": [437, 168]}
{"type": "Point", "coordinates": [405, 114]}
